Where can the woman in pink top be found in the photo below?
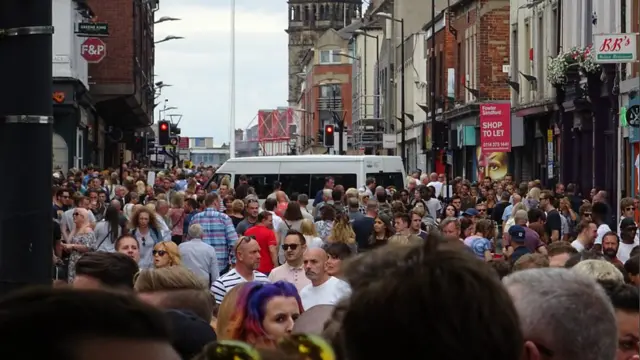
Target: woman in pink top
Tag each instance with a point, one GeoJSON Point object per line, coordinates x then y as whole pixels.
{"type": "Point", "coordinates": [177, 214]}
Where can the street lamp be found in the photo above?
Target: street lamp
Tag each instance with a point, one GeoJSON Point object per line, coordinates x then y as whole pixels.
{"type": "Point", "coordinates": [165, 19]}
{"type": "Point", "coordinates": [403, 144]}
{"type": "Point", "coordinates": [364, 33]}
{"type": "Point", "coordinates": [169, 38]}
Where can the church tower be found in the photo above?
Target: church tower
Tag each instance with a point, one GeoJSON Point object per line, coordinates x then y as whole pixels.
{"type": "Point", "coordinates": [308, 20]}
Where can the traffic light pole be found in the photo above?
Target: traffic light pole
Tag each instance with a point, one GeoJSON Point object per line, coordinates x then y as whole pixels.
{"type": "Point", "coordinates": [26, 128]}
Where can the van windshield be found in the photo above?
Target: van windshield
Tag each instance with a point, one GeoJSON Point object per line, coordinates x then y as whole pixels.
{"type": "Point", "coordinates": [386, 179]}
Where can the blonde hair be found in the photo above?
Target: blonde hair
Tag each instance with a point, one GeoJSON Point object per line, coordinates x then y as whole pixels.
{"type": "Point", "coordinates": [342, 231]}
{"type": "Point", "coordinates": [531, 261]}
{"type": "Point", "coordinates": [172, 251]}
{"type": "Point", "coordinates": [151, 206]}
{"type": "Point", "coordinates": [177, 287]}
{"type": "Point", "coordinates": [237, 206]}
{"type": "Point", "coordinates": [177, 200]}
{"type": "Point", "coordinates": [534, 194]}
{"type": "Point", "coordinates": [599, 270]}
{"type": "Point", "coordinates": [307, 227]}
{"type": "Point", "coordinates": [226, 309]}
{"type": "Point", "coordinates": [351, 192]}
{"type": "Point", "coordinates": [168, 279]}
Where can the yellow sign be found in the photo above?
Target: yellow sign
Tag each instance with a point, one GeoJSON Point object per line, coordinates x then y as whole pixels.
{"type": "Point", "coordinates": [550, 135]}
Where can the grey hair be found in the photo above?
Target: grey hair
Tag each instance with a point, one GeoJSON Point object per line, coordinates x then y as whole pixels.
{"type": "Point", "coordinates": [520, 216]}
{"type": "Point", "coordinates": [195, 231]}
{"type": "Point", "coordinates": [448, 221]}
{"type": "Point", "coordinates": [565, 311]}
{"type": "Point", "coordinates": [599, 270]}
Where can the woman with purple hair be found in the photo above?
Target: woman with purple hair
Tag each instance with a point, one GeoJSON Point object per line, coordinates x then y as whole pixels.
{"type": "Point", "coordinates": [265, 313]}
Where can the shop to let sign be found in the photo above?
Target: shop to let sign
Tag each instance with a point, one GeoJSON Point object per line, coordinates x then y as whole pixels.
{"type": "Point", "coordinates": [615, 48]}
{"type": "Point", "coordinates": [495, 127]}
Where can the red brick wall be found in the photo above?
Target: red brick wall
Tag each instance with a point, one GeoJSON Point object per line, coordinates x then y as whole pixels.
{"type": "Point", "coordinates": [493, 52]}
{"type": "Point", "coordinates": [314, 93]}
{"type": "Point", "coordinates": [117, 66]}
{"type": "Point", "coordinates": [492, 48]}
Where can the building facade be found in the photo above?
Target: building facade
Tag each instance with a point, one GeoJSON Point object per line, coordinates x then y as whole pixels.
{"type": "Point", "coordinates": [630, 98]}
{"type": "Point", "coordinates": [326, 92]}
{"type": "Point", "coordinates": [369, 125]}
{"type": "Point", "coordinates": [478, 42]}
{"type": "Point", "coordinates": [202, 151]}
{"type": "Point", "coordinates": [77, 139]}
{"type": "Point", "coordinates": [122, 83]}
{"type": "Point", "coordinates": [308, 20]}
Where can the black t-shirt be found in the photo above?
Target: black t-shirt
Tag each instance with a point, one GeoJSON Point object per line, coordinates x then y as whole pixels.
{"type": "Point", "coordinates": [363, 228]}
{"type": "Point", "coordinates": [554, 222]}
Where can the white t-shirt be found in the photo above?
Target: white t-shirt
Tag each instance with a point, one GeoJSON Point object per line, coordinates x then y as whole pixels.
{"type": "Point", "coordinates": [625, 249]}
{"type": "Point", "coordinates": [577, 245]}
{"type": "Point", "coordinates": [438, 186]}
{"type": "Point", "coordinates": [602, 230]}
{"type": "Point", "coordinates": [329, 293]}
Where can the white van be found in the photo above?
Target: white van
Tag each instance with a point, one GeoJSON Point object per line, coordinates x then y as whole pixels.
{"type": "Point", "coordinates": [306, 174]}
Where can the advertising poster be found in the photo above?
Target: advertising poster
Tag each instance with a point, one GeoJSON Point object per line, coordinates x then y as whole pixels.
{"type": "Point", "coordinates": [495, 127]}
{"type": "Point", "coordinates": [492, 156]}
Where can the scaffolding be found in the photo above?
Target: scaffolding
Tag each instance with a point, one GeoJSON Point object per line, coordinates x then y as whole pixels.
{"type": "Point", "coordinates": [369, 127]}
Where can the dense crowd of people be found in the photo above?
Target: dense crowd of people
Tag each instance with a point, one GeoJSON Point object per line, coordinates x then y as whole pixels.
{"type": "Point", "coordinates": [209, 270]}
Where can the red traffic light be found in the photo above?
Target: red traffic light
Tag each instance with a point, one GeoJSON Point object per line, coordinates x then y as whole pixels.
{"type": "Point", "coordinates": [329, 129]}
{"type": "Point", "coordinates": [164, 127]}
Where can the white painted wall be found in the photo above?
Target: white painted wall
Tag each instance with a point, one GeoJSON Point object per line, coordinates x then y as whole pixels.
{"type": "Point", "coordinates": [367, 68]}
{"type": "Point", "coordinates": [536, 28]}
{"type": "Point", "coordinates": [67, 61]}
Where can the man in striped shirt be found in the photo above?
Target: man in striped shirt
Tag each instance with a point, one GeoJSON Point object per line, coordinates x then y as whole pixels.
{"type": "Point", "coordinates": [217, 229]}
{"type": "Point", "coordinates": [247, 254]}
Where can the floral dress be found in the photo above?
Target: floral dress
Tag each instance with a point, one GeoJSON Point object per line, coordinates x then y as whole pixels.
{"type": "Point", "coordinates": [324, 229]}
{"type": "Point", "coordinates": [87, 239]}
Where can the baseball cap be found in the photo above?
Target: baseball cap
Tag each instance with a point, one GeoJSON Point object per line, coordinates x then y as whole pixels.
{"type": "Point", "coordinates": [471, 212]}
{"type": "Point", "coordinates": [627, 223]}
{"type": "Point", "coordinates": [517, 233]}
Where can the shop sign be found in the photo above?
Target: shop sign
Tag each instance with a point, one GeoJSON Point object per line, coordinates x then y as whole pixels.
{"type": "Point", "coordinates": [495, 127]}
{"type": "Point", "coordinates": [615, 48]}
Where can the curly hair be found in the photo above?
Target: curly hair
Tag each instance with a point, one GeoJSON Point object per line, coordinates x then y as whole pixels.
{"type": "Point", "coordinates": [342, 230]}
{"type": "Point", "coordinates": [153, 220]}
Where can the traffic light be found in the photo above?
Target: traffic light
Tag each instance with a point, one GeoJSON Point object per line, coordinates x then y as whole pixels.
{"type": "Point", "coordinates": [163, 137]}
{"type": "Point", "coordinates": [328, 135]}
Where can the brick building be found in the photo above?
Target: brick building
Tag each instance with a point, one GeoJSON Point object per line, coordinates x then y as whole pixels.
{"type": "Point", "coordinates": [122, 84]}
{"type": "Point", "coordinates": [326, 89]}
{"type": "Point", "coordinates": [471, 49]}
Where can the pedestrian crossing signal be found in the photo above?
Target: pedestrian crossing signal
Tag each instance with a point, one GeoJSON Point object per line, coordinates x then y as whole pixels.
{"type": "Point", "coordinates": [328, 135]}
{"type": "Point", "coordinates": [163, 137]}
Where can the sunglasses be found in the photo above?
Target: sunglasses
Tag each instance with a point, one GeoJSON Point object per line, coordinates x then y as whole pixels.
{"type": "Point", "coordinates": [144, 242]}
{"type": "Point", "coordinates": [630, 208]}
{"type": "Point", "coordinates": [587, 214]}
{"type": "Point", "coordinates": [159, 252]}
{"type": "Point", "coordinates": [482, 210]}
{"type": "Point", "coordinates": [286, 247]}
{"type": "Point", "coordinates": [243, 239]}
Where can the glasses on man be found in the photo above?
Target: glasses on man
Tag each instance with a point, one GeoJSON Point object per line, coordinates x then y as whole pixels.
{"type": "Point", "coordinates": [587, 214]}
{"type": "Point", "coordinates": [630, 208]}
{"type": "Point", "coordinates": [286, 247]}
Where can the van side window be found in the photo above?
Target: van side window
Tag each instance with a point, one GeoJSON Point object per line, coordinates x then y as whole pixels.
{"type": "Point", "coordinates": [394, 179]}
{"type": "Point", "coordinates": [263, 183]}
{"type": "Point", "coordinates": [295, 183]}
{"type": "Point", "coordinates": [318, 180]}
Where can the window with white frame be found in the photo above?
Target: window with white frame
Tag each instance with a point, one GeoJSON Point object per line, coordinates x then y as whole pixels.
{"type": "Point", "coordinates": [330, 57]}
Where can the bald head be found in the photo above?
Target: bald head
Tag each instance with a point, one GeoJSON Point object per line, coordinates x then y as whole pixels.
{"type": "Point", "coordinates": [516, 198]}
{"type": "Point", "coordinates": [314, 266]}
{"type": "Point", "coordinates": [115, 204]}
{"type": "Point", "coordinates": [521, 217]}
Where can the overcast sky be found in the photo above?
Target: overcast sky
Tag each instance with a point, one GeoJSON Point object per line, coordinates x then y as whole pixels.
{"type": "Point", "coordinates": [198, 66]}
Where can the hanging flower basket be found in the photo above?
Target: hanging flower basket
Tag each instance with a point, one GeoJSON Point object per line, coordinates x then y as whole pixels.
{"type": "Point", "coordinates": [567, 64]}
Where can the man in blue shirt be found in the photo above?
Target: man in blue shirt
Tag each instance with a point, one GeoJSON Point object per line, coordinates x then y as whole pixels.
{"type": "Point", "coordinates": [517, 235]}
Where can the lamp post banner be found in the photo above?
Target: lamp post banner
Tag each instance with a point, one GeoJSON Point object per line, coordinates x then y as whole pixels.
{"type": "Point", "coordinates": [495, 127]}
